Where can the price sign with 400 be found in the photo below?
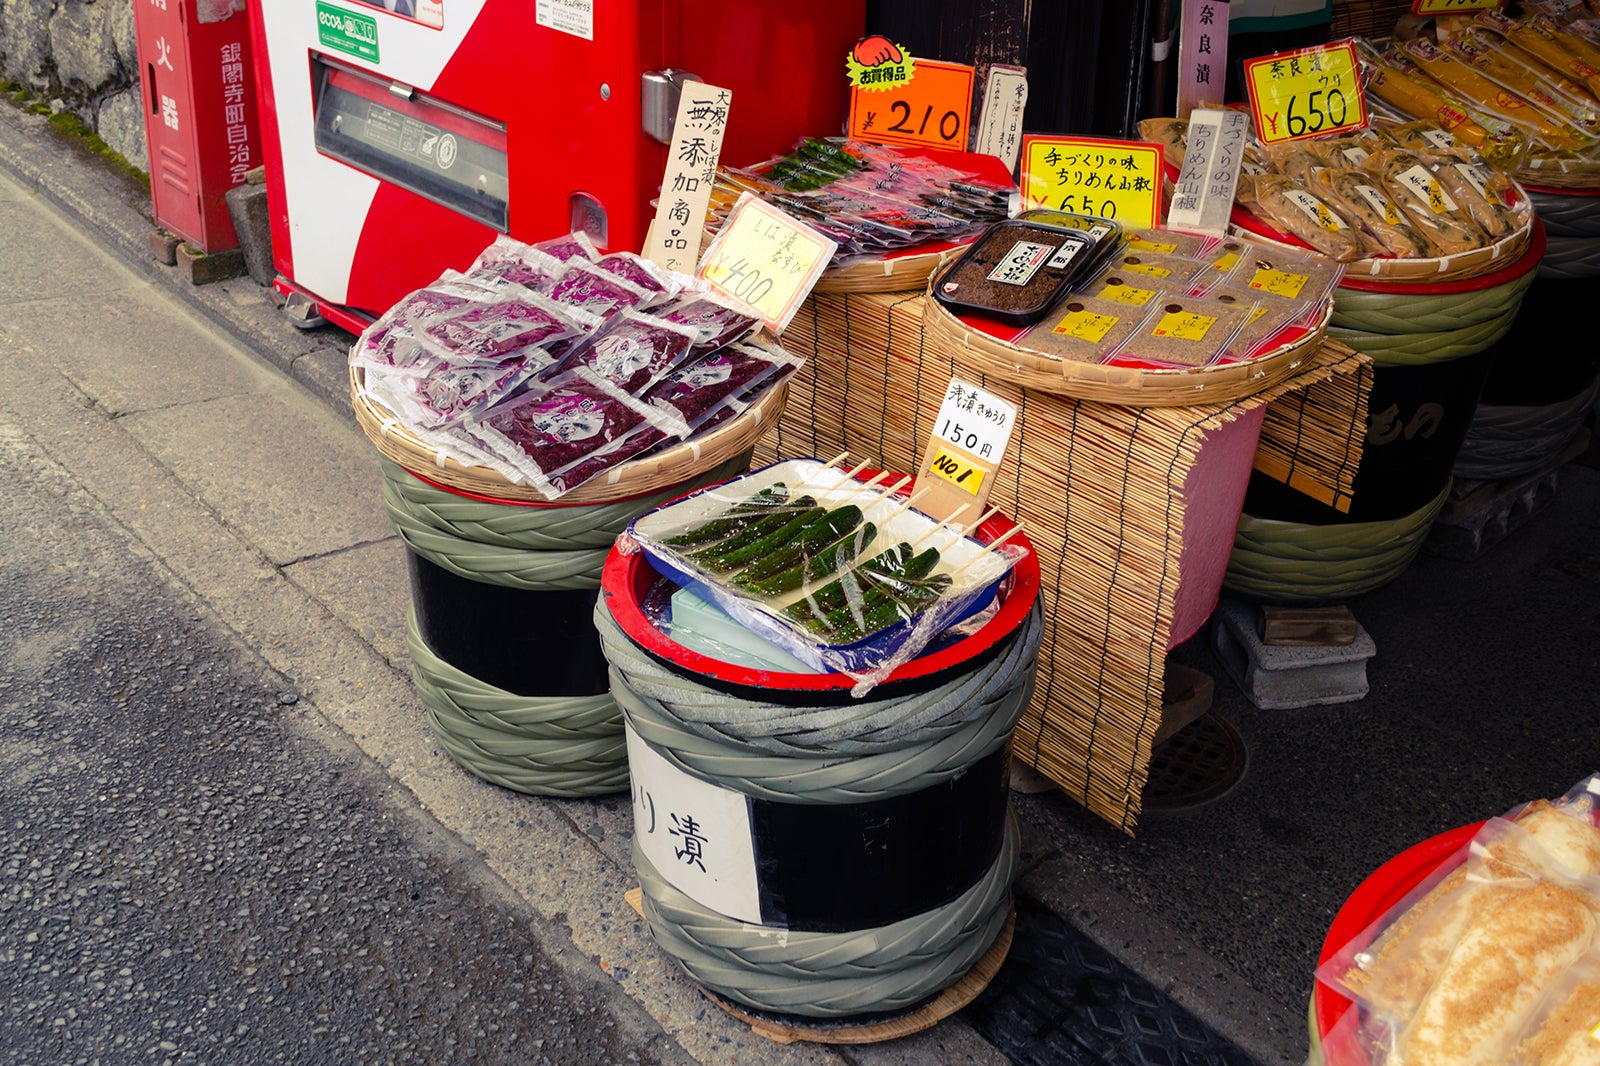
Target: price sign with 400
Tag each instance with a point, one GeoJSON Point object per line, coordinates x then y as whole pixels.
{"type": "Point", "coordinates": [745, 281]}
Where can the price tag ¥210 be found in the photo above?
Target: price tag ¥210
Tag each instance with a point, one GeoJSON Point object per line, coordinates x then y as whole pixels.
{"type": "Point", "coordinates": [766, 259]}
{"type": "Point", "coordinates": [930, 110]}
{"type": "Point", "coordinates": [1308, 92]}
{"type": "Point", "coordinates": [970, 437]}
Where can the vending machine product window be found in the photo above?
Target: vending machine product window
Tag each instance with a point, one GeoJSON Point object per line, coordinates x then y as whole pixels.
{"type": "Point", "coordinates": [394, 132]}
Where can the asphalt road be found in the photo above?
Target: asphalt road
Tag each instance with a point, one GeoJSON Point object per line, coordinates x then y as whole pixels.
{"type": "Point", "coordinates": [194, 868]}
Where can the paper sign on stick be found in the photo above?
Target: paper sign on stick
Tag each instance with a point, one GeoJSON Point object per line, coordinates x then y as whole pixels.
{"type": "Point", "coordinates": [1202, 56]}
{"type": "Point", "coordinates": [766, 259]}
{"type": "Point", "coordinates": [1005, 95]}
{"type": "Point", "coordinates": [680, 222]}
{"type": "Point", "coordinates": [969, 440]}
{"type": "Point", "coordinates": [1202, 197]}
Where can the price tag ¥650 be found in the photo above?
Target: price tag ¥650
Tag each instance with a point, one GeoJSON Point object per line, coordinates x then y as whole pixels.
{"type": "Point", "coordinates": [1092, 176]}
{"type": "Point", "coordinates": [1305, 93]}
{"type": "Point", "coordinates": [766, 259]}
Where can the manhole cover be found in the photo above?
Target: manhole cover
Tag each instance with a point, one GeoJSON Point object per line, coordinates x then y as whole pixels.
{"type": "Point", "coordinates": [1195, 765]}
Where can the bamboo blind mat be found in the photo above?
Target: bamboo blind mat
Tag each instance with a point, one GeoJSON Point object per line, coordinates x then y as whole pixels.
{"type": "Point", "coordinates": [1098, 489]}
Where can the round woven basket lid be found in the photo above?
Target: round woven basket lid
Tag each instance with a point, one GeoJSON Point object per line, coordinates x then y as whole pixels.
{"type": "Point", "coordinates": [637, 477]}
{"type": "Point", "coordinates": [1125, 386]}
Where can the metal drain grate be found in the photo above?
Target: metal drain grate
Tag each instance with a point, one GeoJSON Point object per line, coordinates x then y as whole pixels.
{"type": "Point", "coordinates": [1198, 763]}
{"type": "Point", "coordinates": [1062, 1000]}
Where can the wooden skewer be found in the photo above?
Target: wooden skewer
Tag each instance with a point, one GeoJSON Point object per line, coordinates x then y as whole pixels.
{"type": "Point", "coordinates": [858, 490]}
{"type": "Point", "coordinates": [987, 548]}
{"type": "Point", "coordinates": [898, 511]}
{"type": "Point", "coordinates": [948, 524]}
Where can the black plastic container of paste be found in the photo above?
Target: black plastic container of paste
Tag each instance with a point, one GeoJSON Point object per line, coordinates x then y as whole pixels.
{"type": "Point", "coordinates": [1016, 271]}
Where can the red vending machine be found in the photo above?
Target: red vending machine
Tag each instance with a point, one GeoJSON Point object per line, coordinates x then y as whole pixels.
{"type": "Point", "coordinates": [195, 76]}
{"type": "Point", "coordinates": [402, 135]}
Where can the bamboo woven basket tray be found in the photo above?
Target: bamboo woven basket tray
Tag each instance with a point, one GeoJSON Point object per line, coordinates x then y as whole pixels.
{"type": "Point", "coordinates": [1121, 385]}
{"type": "Point", "coordinates": [899, 274]}
{"type": "Point", "coordinates": [650, 473]}
{"type": "Point", "coordinates": [1458, 267]}
{"type": "Point", "coordinates": [1562, 174]}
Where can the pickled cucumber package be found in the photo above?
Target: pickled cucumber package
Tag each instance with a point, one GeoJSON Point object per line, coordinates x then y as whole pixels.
{"type": "Point", "coordinates": [839, 571]}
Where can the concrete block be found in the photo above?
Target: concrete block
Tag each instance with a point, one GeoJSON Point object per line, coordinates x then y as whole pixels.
{"type": "Point", "coordinates": [164, 247]}
{"type": "Point", "coordinates": [203, 269]}
{"type": "Point", "coordinates": [1288, 676]}
{"type": "Point", "coordinates": [247, 206]}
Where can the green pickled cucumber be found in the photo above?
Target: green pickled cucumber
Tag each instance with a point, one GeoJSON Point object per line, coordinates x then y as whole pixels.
{"type": "Point", "coordinates": [722, 559]}
{"type": "Point", "coordinates": [895, 568]}
{"type": "Point", "coordinates": [883, 607]}
{"type": "Point", "coordinates": [825, 530]}
{"type": "Point", "coordinates": [755, 527]}
{"type": "Point", "coordinates": [815, 567]}
{"type": "Point", "coordinates": [733, 519]}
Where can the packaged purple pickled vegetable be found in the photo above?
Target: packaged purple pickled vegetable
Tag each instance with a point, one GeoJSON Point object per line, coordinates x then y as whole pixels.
{"type": "Point", "coordinates": [547, 432]}
{"type": "Point", "coordinates": [694, 391]}
{"type": "Point", "coordinates": [494, 330]}
{"type": "Point", "coordinates": [573, 246]}
{"type": "Point", "coordinates": [391, 341]}
{"type": "Point", "coordinates": [632, 351]}
{"type": "Point", "coordinates": [599, 292]}
{"type": "Point", "coordinates": [641, 272]}
{"type": "Point", "coordinates": [449, 395]}
{"type": "Point", "coordinates": [718, 321]}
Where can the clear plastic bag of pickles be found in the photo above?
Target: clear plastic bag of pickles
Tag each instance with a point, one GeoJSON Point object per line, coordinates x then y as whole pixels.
{"type": "Point", "coordinates": [838, 571]}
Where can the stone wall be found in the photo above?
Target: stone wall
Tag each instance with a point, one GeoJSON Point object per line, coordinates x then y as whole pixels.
{"type": "Point", "coordinates": [80, 56]}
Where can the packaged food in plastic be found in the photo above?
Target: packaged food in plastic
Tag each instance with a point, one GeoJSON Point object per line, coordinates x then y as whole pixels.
{"type": "Point", "coordinates": [1161, 269]}
{"type": "Point", "coordinates": [1295, 211]}
{"type": "Point", "coordinates": [643, 273]}
{"type": "Point", "coordinates": [1083, 329]}
{"type": "Point", "coordinates": [1560, 1029]}
{"type": "Point", "coordinates": [630, 352]}
{"type": "Point", "coordinates": [1564, 53]}
{"type": "Point", "coordinates": [717, 320]}
{"type": "Point", "coordinates": [545, 433]}
{"type": "Point", "coordinates": [1367, 204]}
{"type": "Point", "coordinates": [1167, 242]}
{"type": "Point", "coordinates": [1554, 93]}
{"type": "Point", "coordinates": [1183, 331]}
{"type": "Point", "coordinates": [599, 292]}
{"type": "Point", "coordinates": [1015, 271]}
{"type": "Point", "coordinates": [1448, 226]}
{"type": "Point", "coordinates": [1306, 280]}
{"type": "Point", "coordinates": [1473, 185]}
{"type": "Point", "coordinates": [840, 573]}
{"type": "Point", "coordinates": [391, 341]}
{"type": "Point", "coordinates": [1468, 966]}
{"type": "Point", "coordinates": [508, 262]}
{"type": "Point", "coordinates": [569, 247]}
{"type": "Point", "coordinates": [446, 394]}
{"type": "Point", "coordinates": [1463, 78]}
{"type": "Point", "coordinates": [1135, 290]}
{"type": "Point", "coordinates": [696, 389]}
{"type": "Point", "coordinates": [1268, 319]}
{"type": "Point", "coordinates": [494, 329]}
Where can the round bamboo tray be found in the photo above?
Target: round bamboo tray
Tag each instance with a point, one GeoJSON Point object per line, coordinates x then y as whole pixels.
{"type": "Point", "coordinates": [1458, 267]}
{"type": "Point", "coordinates": [650, 473]}
{"type": "Point", "coordinates": [901, 273]}
{"type": "Point", "coordinates": [1121, 385]}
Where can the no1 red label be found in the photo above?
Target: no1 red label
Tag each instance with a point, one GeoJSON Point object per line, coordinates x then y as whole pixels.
{"type": "Point", "coordinates": [929, 111]}
{"type": "Point", "coordinates": [1309, 92]}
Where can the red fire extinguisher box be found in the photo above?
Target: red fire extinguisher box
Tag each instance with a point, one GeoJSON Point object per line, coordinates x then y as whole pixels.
{"type": "Point", "coordinates": [402, 135]}
{"type": "Point", "coordinates": [200, 121]}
